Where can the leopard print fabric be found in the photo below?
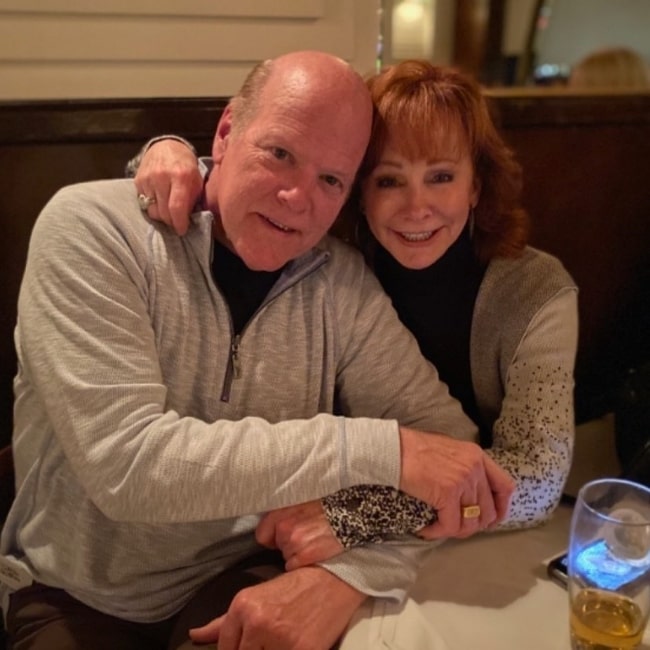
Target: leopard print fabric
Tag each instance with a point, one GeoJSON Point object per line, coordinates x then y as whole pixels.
{"type": "Point", "coordinates": [368, 514]}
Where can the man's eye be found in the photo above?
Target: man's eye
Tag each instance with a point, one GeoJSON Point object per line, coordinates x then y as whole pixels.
{"type": "Point", "coordinates": [332, 180]}
{"type": "Point", "coordinates": [279, 153]}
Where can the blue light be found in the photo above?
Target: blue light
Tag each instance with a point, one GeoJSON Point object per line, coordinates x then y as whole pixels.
{"type": "Point", "coordinates": [601, 568]}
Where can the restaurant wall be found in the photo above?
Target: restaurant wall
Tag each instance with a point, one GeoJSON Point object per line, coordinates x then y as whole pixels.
{"type": "Point", "coordinates": [57, 49]}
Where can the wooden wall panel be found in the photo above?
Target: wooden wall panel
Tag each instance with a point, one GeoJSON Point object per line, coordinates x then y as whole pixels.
{"type": "Point", "coordinates": [254, 8]}
{"type": "Point", "coordinates": [38, 80]}
{"type": "Point", "coordinates": [50, 49]}
{"type": "Point", "coordinates": [586, 161]}
{"type": "Point", "coordinates": [187, 39]}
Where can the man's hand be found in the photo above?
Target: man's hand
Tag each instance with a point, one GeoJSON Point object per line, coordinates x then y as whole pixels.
{"type": "Point", "coordinates": [301, 532]}
{"type": "Point", "coordinates": [450, 475]}
{"type": "Point", "coordinates": [307, 609]}
{"type": "Point", "coordinates": [169, 172]}
{"type": "Point", "coordinates": [468, 490]}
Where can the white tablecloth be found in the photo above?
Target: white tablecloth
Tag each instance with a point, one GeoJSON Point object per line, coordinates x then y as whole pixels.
{"type": "Point", "coordinates": [488, 592]}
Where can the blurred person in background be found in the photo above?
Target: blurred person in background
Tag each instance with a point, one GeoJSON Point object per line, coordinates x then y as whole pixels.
{"type": "Point", "coordinates": [616, 67]}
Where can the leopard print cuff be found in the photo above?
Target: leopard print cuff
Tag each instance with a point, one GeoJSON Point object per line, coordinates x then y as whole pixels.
{"type": "Point", "coordinates": [368, 514]}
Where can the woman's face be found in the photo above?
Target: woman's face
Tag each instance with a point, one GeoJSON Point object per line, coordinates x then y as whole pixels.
{"type": "Point", "coordinates": [417, 208]}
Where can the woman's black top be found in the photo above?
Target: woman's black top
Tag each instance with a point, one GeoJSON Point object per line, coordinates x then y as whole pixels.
{"type": "Point", "coordinates": [437, 304]}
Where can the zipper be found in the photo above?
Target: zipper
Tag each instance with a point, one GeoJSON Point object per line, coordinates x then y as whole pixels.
{"type": "Point", "coordinates": [233, 369]}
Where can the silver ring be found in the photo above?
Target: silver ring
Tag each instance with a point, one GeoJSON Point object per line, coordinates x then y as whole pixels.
{"type": "Point", "coordinates": [145, 201]}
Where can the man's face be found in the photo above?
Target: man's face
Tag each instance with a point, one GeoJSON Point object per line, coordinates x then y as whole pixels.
{"type": "Point", "coordinates": [281, 179]}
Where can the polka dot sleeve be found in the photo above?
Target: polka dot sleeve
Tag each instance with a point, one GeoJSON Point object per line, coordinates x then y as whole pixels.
{"type": "Point", "coordinates": [534, 433]}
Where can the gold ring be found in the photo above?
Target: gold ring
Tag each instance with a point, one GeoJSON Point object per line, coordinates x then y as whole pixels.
{"type": "Point", "coordinates": [471, 512]}
{"type": "Point", "coordinates": [145, 201]}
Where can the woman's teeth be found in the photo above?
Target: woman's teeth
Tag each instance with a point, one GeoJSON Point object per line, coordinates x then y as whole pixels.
{"type": "Point", "coordinates": [417, 236]}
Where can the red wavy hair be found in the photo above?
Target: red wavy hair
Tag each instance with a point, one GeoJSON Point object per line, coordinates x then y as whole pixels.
{"type": "Point", "coordinates": [428, 106]}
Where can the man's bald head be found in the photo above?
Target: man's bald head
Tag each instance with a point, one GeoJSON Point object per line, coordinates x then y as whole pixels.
{"type": "Point", "coordinates": [328, 78]}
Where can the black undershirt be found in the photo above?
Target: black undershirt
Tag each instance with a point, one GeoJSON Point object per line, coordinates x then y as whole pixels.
{"type": "Point", "coordinates": [437, 304]}
{"type": "Point", "coordinates": [243, 289]}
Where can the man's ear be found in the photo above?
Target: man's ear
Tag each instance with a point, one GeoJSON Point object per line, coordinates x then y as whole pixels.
{"type": "Point", "coordinates": [220, 143]}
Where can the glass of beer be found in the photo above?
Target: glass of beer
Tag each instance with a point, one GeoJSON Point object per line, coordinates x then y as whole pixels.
{"type": "Point", "coordinates": [609, 566]}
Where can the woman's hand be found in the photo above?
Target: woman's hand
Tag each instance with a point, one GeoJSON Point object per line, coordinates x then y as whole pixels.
{"type": "Point", "coordinates": [169, 173]}
{"type": "Point", "coordinates": [301, 533]}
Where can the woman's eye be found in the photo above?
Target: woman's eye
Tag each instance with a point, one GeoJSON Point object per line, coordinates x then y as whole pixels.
{"type": "Point", "coordinates": [441, 177]}
{"type": "Point", "coordinates": [386, 181]}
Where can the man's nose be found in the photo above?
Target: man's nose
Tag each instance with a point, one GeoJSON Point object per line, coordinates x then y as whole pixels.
{"type": "Point", "coordinates": [297, 193]}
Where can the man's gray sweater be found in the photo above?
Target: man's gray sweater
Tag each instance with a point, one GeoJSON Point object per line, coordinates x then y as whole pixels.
{"type": "Point", "coordinates": [147, 438]}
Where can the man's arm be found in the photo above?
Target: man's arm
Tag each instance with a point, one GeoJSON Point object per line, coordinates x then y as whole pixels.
{"type": "Point", "coordinates": [307, 608]}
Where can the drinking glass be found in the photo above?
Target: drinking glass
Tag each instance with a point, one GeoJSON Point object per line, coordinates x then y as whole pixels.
{"type": "Point", "coordinates": [609, 565]}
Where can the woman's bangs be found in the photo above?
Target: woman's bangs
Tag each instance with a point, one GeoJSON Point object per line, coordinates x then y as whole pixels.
{"type": "Point", "coordinates": [428, 135]}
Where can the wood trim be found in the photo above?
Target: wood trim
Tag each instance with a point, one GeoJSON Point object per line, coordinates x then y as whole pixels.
{"type": "Point", "coordinates": [138, 119]}
{"type": "Point", "coordinates": [107, 120]}
{"type": "Point", "coordinates": [514, 109]}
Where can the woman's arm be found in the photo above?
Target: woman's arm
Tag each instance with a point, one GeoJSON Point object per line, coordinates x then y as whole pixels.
{"type": "Point", "coordinates": [534, 433]}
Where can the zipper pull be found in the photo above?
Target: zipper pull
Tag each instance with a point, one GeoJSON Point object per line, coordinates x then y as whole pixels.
{"type": "Point", "coordinates": [234, 355]}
